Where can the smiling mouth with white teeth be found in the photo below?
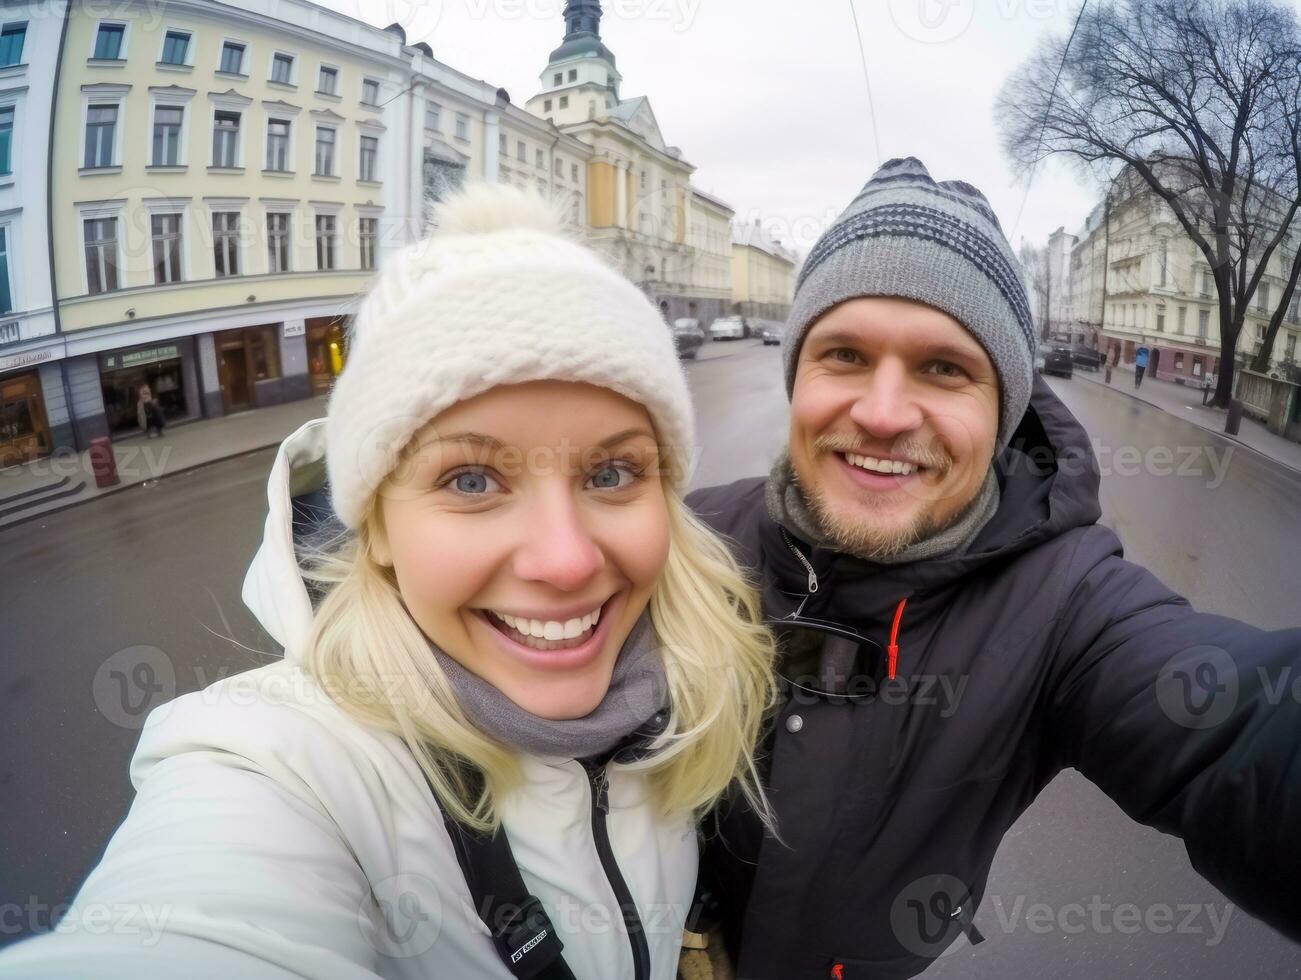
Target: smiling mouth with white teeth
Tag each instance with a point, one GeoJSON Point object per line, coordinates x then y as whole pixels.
{"type": "Point", "coordinates": [546, 634]}
{"type": "Point", "coordinates": [886, 467]}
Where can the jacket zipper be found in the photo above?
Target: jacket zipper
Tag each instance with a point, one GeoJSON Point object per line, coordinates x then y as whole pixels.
{"type": "Point", "coordinates": [808, 567]}
{"type": "Point", "coordinates": [600, 782]}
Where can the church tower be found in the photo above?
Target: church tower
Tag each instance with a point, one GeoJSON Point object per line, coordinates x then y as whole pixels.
{"type": "Point", "coordinates": [580, 81]}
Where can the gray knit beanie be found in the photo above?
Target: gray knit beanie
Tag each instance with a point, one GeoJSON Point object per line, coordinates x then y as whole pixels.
{"type": "Point", "coordinates": [940, 244]}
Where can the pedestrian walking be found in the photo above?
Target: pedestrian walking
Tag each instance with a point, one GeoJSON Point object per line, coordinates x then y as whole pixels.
{"type": "Point", "coordinates": [1140, 366]}
{"type": "Point", "coordinates": [517, 670]}
{"type": "Point", "coordinates": [956, 627]}
{"type": "Point", "coordinates": [149, 413]}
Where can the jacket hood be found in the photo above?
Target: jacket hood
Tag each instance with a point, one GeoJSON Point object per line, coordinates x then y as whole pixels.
{"type": "Point", "coordinates": [274, 589]}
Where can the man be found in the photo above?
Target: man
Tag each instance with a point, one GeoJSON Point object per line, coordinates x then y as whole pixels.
{"type": "Point", "coordinates": [1140, 366]}
{"type": "Point", "coordinates": [956, 626]}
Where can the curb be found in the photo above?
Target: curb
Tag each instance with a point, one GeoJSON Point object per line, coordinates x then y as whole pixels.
{"type": "Point", "coordinates": [5, 525]}
{"type": "Point", "coordinates": [1222, 435]}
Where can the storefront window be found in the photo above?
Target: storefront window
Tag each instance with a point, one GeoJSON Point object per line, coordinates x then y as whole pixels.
{"type": "Point", "coordinates": [23, 431]}
{"type": "Point", "coordinates": [264, 352]}
{"type": "Point", "coordinates": [124, 373]}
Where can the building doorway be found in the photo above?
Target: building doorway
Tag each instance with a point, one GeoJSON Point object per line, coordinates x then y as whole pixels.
{"type": "Point", "coordinates": [24, 432]}
{"type": "Point", "coordinates": [123, 373]}
{"type": "Point", "coordinates": [244, 358]}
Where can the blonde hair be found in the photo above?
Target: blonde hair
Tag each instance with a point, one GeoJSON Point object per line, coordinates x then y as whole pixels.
{"type": "Point", "coordinates": [369, 654]}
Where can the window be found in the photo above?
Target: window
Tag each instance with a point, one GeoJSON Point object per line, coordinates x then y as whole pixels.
{"type": "Point", "coordinates": [282, 68]}
{"type": "Point", "coordinates": [1289, 352]}
{"type": "Point", "coordinates": [560, 78]}
{"type": "Point", "coordinates": [1294, 309]}
{"type": "Point", "coordinates": [1179, 360]}
{"type": "Point", "coordinates": [1183, 317]}
{"type": "Point", "coordinates": [546, 106]}
{"type": "Point", "coordinates": [165, 233]}
{"type": "Point", "coordinates": [225, 139]}
{"type": "Point", "coordinates": [433, 116]}
{"type": "Point", "coordinates": [325, 151]}
{"type": "Point", "coordinates": [225, 243]}
{"type": "Point", "coordinates": [100, 235]}
{"type": "Point", "coordinates": [101, 133]}
{"type": "Point", "coordinates": [12, 37]}
{"type": "Point", "coordinates": [564, 102]}
{"type": "Point", "coordinates": [502, 146]}
{"type": "Point", "coordinates": [176, 46]}
{"type": "Point", "coordinates": [573, 74]}
{"type": "Point", "coordinates": [1160, 323]}
{"type": "Point", "coordinates": [370, 91]}
{"type": "Point", "coordinates": [369, 158]}
{"type": "Point", "coordinates": [278, 242]}
{"type": "Point", "coordinates": [1262, 301]}
{"type": "Point", "coordinates": [573, 173]}
{"type": "Point", "coordinates": [232, 58]}
{"type": "Point", "coordinates": [368, 234]}
{"type": "Point", "coordinates": [263, 353]}
{"type": "Point", "coordinates": [540, 159]}
{"type": "Point", "coordinates": [6, 139]}
{"type": "Point", "coordinates": [560, 167]}
{"type": "Point", "coordinates": [6, 295]}
{"type": "Point", "coordinates": [462, 126]}
{"type": "Point", "coordinates": [325, 241]}
{"type": "Point", "coordinates": [643, 180]}
{"type": "Point", "coordinates": [1203, 323]}
{"type": "Point", "coordinates": [1208, 283]}
{"type": "Point", "coordinates": [167, 135]}
{"type": "Point", "coordinates": [278, 144]}
{"type": "Point", "coordinates": [108, 42]}
{"type": "Point", "coordinates": [522, 152]}
{"type": "Point", "coordinates": [328, 81]}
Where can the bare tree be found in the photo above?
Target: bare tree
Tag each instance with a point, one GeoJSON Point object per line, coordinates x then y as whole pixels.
{"type": "Point", "coordinates": [1184, 94]}
{"type": "Point", "coordinates": [1288, 130]}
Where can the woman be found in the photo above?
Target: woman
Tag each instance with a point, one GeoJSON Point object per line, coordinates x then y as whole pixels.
{"type": "Point", "coordinates": [149, 413]}
{"type": "Point", "coordinates": [517, 627]}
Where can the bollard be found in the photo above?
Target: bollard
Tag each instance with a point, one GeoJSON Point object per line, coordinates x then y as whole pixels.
{"type": "Point", "coordinates": [1234, 422]}
{"type": "Point", "coordinates": [102, 462]}
{"type": "Point", "coordinates": [1108, 377]}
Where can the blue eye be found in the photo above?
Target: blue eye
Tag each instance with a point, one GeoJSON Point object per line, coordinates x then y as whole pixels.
{"type": "Point", "coordinates": [610, 477]}
{"type": "Point", "coordinates": [472, 483]}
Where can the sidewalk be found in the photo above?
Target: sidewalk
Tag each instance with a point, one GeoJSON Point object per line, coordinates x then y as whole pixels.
{"type": "Point", "coordinates": [46, 485]}
{"type": "Point", "coordinates": [1186, 403]}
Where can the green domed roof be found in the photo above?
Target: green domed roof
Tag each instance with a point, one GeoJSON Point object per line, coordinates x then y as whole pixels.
{"type": "Point", "coordinates": [582, 32]}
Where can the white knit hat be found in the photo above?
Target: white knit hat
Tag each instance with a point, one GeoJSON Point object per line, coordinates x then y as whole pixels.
{"type": "Point", "coordinates": [498, 295]}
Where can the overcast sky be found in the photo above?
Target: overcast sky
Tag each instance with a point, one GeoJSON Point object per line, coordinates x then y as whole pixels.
{"type": "Point", "coordinates": [767, 98]}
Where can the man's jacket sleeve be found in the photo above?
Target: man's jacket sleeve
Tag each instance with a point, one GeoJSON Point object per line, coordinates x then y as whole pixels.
{"type": "Point", "coordinates": [1190, 722]}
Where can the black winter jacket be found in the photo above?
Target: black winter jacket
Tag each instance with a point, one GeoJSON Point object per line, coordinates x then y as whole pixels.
{"type": "Point", "coordinates": [1039, 650]}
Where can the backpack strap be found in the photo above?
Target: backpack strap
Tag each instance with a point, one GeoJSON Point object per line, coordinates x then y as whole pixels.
{"type": "Point", "coordinates": [521, 931]}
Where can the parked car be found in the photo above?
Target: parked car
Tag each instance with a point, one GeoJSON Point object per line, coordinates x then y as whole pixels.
{"type": "Point", "coordinates": [770, 331]}
{"type": "Point", "coordinates": [687, 337]}
{"type": "Point", "coordinates": [727, 328]}
{"type": "Point", "coordinates": [1059, 360]}
{"type": "Point", "coordinates": [1087, 358]}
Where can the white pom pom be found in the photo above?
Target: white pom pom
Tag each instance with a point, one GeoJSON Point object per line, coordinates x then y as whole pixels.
{"type": "Point", "coordinates": [482, 207]}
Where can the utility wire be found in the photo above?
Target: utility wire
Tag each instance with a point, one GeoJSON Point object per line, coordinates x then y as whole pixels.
{"type": "Point", "coordinates": [867, 79]}
{"type": "Point", "coordinates": [1052, 93]}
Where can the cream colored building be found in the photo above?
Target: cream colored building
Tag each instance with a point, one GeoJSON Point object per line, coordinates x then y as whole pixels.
{"type": "Point", "coordinates": [1160, 293]}
{"type": "Point", "coordinates": [763, 274]}
{"type": "Point", "coordinates": [225, 184]}
{"type": "Point", "coordinates": [667, 236]}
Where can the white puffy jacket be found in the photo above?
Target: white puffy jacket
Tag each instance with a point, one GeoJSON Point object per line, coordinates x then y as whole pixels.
{"type": "Point", "coordinates": [273, 836]}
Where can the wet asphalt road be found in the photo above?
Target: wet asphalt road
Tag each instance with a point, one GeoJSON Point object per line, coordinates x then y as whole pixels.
{"type": "Point", "coordinates": [161, 566]}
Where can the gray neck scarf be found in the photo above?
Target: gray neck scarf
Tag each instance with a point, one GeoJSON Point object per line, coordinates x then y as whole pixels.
{"type": "Point", "coordinates": [638, 689]}
{"type": "Point", "coordinates": [787, 506]}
